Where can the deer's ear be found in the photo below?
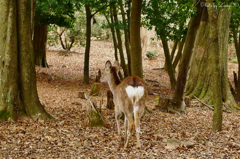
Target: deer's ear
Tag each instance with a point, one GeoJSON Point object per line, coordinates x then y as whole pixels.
{"type": "Point", "coordinates": [116, 64]}
{"type": "Point", "coordinates": [108, 65]}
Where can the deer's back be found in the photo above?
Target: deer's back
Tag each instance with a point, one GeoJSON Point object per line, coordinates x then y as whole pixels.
{"type": "Point", "coordinates": [121, 97]}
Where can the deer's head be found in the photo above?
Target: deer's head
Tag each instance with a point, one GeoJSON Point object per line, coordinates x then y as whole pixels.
{"type": "Point", "coordinates": [110, 72]}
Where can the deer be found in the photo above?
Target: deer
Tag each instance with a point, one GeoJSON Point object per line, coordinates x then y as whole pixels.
{"type": "Point", "coordinates": [129, 98]}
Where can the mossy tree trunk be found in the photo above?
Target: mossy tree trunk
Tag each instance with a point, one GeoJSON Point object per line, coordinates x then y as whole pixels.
{"type": "Point", "coordinates": [19, 98]}
{"type": "Point", "coordinates": [135, 39]}
{"type": "Point", "coordinates": [40, 44]}
{"type": "Point", "coordinates": [203, 82]}
{"type": "Point", "coordinates": [177, 101]}
{"type": "Point", "coordinates": [201, 77]}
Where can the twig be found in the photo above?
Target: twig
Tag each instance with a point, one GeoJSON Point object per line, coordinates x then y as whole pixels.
{"type": "Point", "coordinates": [93, 106]}
{"type": "Point", "coordinates": [209, 106]}
{"type": "Point", "coordinates": [91, 102]}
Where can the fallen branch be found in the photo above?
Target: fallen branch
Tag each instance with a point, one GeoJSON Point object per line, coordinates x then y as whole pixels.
{"type": "Point", "coordinates": [149, 80]}
{"type": "Point", "coordinates": [93, 106]}
{"type": "Point", "coordinates": [157, 68]}
{"type": "Point", "coordinates": [209, 106]}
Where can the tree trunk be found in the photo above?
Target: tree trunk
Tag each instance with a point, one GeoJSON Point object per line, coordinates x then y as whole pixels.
{"type": "Point", "coordinates": [202, 80]}
{"type": "Point", "coordinates": [168, 63]}
{"type": "Point", "coordinates": [88, 44]}
{"type": "Point", "coordinates": [179, 55]}
{"type": "Point", "coordinates": [135, 39]}
{"type": "Point", "coordinates": [19, 98]}
{"type": "Point", "coordinates": [177, 101]}
{"type": "Point", "coordinates": [40, 44]}
{"type": "Point", "coordinates": [174, 49]}
{"type": "Point", "coordinates": [33, 8]}
{"type": "Point", "coordinates": [113, 35]}
{"type": "Point", "coordinates": [237, 48]}
{"type": "Point", "coordinates": [123, 64]}
{"type": "Point", "coordinates": [127, 44]}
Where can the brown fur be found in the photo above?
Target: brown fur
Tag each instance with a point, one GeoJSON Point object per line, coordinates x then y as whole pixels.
{"type": "Point", "coordinates": [122, 102]}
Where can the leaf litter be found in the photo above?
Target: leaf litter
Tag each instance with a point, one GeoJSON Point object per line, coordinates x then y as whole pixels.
{"type": "Point", "coordinates": [70, 137]}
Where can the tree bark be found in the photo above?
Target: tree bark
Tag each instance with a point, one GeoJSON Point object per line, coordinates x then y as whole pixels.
{"type": "Point", "coordinates": [19, 98]}
{"type": "Point", "coordinates": [88, 44]}
{"type": "Point", "coordinates": [40, 44]}
{"type": "Point", "coordinates": [187, 53]}
{"type": "Point", "coordinates": [33, 8]}
{"type": "Point", "coordinates": [113, 35]}
{"type": "Point", "coordinates": [135, 39]}
{"type": "Point", "coordinates": [174, 49]}
{"type": "Point", "coordinates": [129, 2]}
{"type": "Point", "coordinates": [168, 63]}
{"type": "Point", "coordinates": [203, 81]}
{"type": "Point", "coordinates": [237, 48]}
{"type": "Point", "coordinates": [127, 42]}
{"type": "Point", "coordinates": [122, 59]}
{"type": "Point", "coordinates": [179, 55]}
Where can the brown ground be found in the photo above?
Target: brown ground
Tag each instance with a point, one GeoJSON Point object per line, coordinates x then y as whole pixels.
{"type": "Point", "coordinates": [58, 88]}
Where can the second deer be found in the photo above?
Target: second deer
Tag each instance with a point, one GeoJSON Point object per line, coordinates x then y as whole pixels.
{"type": "Point", "coordinates": [128, 97]}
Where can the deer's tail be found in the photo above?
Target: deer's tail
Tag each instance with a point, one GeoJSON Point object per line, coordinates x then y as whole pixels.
{"type": "Point", "coordinates": [135, 93]}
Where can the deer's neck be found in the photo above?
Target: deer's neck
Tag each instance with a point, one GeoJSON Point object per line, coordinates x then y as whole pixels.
{"type": "Point", "coordinates": [114, 82]}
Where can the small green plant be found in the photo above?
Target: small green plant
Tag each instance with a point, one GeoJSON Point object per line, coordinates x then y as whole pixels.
{"type": "Point", "coordinates": [150, 54]}
{"type": "Point", "coordinates": [234, 60]}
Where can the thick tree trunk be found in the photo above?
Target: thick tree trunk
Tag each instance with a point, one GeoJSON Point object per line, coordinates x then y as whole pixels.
{"type": "Point", "coordinates": [223, 34]}
{"type": "Point", "coordinates": [88, 44]}
{"type": "Point", "coordinates": [19, 98]}
{"type": "Point", "coordinates": [40, 44]}
{"type": "Point", "coordinates": [177, 100]}
{"type": "Point", "coordinates": [127, 42]}
{"type": "Point", "coordinates": [135, 39]}
{"type": "Point", "coordinates": [168, 63]}
{"type": "Point", "coordinates": [122, 59]}
{"type": "Point", "coordinates": [202, 80]}
{"type": "Point", "coordinates": [214, 58]}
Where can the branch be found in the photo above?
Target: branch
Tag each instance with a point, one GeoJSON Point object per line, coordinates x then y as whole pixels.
{"type": "Point", "coordinates": [209, 106]}
{"type": "Point", "coordinates": [101, 9]}
{"type": "Point", "coordinates": [60, 37]}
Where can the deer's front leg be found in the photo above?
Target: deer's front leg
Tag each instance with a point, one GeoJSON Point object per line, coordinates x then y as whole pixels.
{"type": "Point", "coordinates": [126, 127]}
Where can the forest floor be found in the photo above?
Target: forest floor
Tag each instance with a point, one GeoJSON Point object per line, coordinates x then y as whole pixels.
{"type": "Point", "coordinates": [70, 137]}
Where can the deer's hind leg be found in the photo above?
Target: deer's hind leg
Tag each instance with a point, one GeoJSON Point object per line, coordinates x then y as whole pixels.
{"type": "Point", "coordinates": [138, 113]}
{"type": "Point", "coordinates": [129, 130]}
{"type": "Point", "coordinates": [117, 117]}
